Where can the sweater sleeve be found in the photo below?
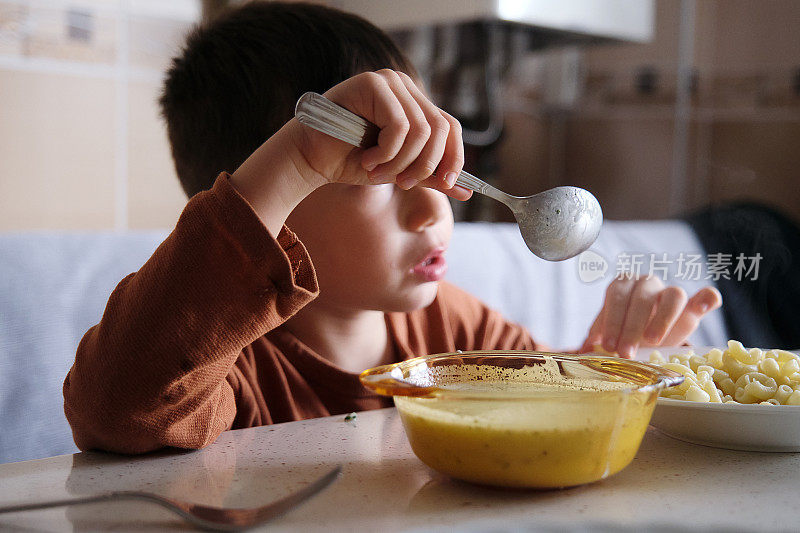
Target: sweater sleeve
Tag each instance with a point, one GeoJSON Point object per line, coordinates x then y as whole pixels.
{"type": "Point", "coordinates": [153, 372]}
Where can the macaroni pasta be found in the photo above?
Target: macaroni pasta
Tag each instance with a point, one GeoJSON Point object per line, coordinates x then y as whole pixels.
{"type": "Point", "coordinates": [735, 375]}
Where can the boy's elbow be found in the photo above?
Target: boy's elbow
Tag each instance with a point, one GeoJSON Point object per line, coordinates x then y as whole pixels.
{"type": "Point", "coordinates": [108, 427]}
{"type": "Point", "coordinates": [128, 436]}
{"type": "Point", "coordinates": [92, 430]}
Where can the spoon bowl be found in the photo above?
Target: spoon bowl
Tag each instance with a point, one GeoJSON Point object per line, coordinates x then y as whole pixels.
{"type": "Point", "coordinates": [556, 224]}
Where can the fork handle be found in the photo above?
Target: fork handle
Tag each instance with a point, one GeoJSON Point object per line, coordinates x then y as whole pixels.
{"type": "Point", "coordinates": [111, 496]}
{"type": "Point", "coordinates": [182, 510]}
{"type": "Point", "coordinates": [319, 113]}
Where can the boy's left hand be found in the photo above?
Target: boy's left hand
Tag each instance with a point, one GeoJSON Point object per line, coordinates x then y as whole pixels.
{"type": "Point", "coordinates": [642, 311]}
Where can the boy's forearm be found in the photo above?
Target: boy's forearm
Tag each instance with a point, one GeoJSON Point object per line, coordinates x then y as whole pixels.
{"type": "Point", "coordinates": [276, 178]}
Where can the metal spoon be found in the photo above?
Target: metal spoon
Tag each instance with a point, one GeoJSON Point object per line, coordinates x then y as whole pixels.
{"type": "Point", "coordinates": [202, 516]}
{"type": "Point", "coordinates": [555, 224]}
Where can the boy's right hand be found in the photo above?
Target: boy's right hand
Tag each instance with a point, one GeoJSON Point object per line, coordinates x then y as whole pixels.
{"type": "Point", "coordinates": [416, 138]}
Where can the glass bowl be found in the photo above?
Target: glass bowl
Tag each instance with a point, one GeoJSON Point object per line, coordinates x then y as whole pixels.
{"type": "Point", "coordinates": [523, 418]}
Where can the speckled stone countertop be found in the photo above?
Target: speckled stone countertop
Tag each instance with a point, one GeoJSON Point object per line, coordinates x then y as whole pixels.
{"type": "Point", "coordinates": [670, 486]}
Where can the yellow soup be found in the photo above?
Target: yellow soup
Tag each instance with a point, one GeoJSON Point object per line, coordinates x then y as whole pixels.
{"type": "Point", "coordinates": [558, 442]}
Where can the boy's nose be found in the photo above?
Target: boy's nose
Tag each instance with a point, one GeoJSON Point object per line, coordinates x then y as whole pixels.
{"type": "Point", "coordinates": [424, 207]}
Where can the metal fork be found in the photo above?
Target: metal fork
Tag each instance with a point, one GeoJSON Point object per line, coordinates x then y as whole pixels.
{"type": "Point", "coordinates": [203, 516]}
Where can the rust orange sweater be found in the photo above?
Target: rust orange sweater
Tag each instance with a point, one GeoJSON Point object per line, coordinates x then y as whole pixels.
{"type": "Point", "coordinates": [191, 344]}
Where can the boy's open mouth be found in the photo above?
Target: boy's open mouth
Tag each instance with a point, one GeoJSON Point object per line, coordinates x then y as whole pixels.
{"type": "Point", "coordinates": [432, 267]}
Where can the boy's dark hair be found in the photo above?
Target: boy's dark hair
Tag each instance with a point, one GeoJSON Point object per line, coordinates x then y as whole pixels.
{"type": "Point", "coordinates": [236, 81]}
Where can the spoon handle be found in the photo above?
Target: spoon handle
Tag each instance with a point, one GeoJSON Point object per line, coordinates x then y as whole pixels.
{"type": "Point", "coordinates": [319, 113]}
{"type": "Point", "coordinates": [468, 181]}
{"type": "Point", "coordinates": [316, 111]}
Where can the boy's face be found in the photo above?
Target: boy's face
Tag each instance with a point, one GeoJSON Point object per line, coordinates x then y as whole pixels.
{"type": "Point", "coordinates": [375, 247]}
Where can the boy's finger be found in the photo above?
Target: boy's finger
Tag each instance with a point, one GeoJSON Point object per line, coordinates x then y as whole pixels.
{"type": "Point", "coordinates": [380, 106]}
{"type": "Point", "coordinates": [595, 335]}
{"type": "Point", "coordinates": [457, 192]}
{"type": "Point", "coordinates": [705, 301]}
{"type": "Point", "coordinates": [430, 156]}
{"type": "Point", "coordinates": [617, 296]}
{"type": "Point", "coordinates": [450, 163]}
{"type": "Point", "coordinates": [640, 308]}
{"type": "Point", "coordinates": [414, 139]}
{"type": "Point", "coordinates": [671, 302]}
{"type": "Point", "coordinates": [453, 160]}
{"type": "Point", "coordinates": [427, 161]}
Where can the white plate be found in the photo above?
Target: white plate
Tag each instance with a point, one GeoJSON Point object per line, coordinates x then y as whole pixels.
{"type": "Point", "coordinates": [763, 428]}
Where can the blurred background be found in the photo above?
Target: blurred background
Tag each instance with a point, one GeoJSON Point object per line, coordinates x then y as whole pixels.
{"type": "Point", "coordinates": [657, 107]}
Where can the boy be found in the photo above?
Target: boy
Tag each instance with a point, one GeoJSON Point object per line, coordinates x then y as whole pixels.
{"type": "Point", "coordinates": [227, 326]}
